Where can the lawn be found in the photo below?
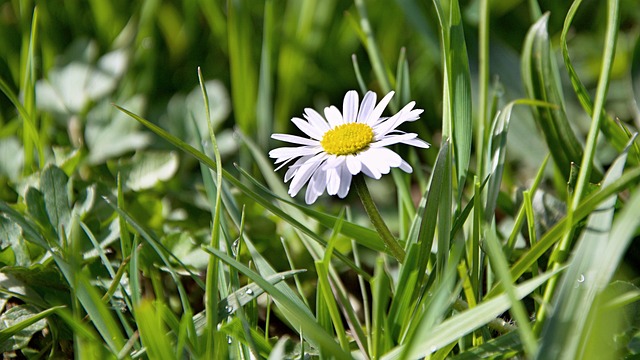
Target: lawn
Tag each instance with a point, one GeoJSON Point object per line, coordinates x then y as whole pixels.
{"type": "Point", "coordinates": [319, 179]}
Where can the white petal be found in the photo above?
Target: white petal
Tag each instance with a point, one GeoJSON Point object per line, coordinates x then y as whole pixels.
{"type": "Point", "coordinates": [404, 166]}
{"type": "Point", "coordinates": [368, 102]}
{"type": "Point", "coordinates": [310, 196]}
{"type": "Point", "coordinates": [316, 186]}
{"type": "Point", "coordinates": [294, 139]}
{"type": "Point", "coordinates": [304, 173]}
{"type": "Point", "coordinates": [393, 139]}
{"type": "Point", "coordinates": [308, 128]}
{"type": "Point", "coordinates": [334, 116]}
{"type": "Point", "coordinates": [377, 112]}
{"type": "Point", "coordinates": [350, 106]}
{"type": "Point", "coordinates": [418, 143]}
{"type": "Point", "coordinates": [333, 181]}
{"type": "Point", "coordinates": [294, 168]}
{"type": "Point", "coordinates": [385, 157]}
{"type": "Point", "coordinates": [284, 153]}
{"type": "Point", "coordinates": [372, 166]}
{"type": "Point", "coordinates": [372, 173]}
{"type": "Point", "coordinates": [393, 122]}
{"type": "Point", "coordinates": [316, 120]}
{"type": "Point", "coordinates": [333, 162]}
{"type": "Point", "coordinates": [345, 182]}
{"type": "Point", "coordinates": [353, 164]}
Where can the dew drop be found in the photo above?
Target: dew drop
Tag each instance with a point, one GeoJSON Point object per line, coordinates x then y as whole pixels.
{"type": "Point", "coordinates": [249, 292]}
{"type": "Point", "coordinates": [229, 340]}
{"type": "Point", "coordinates": [234, 247]}
{"type": "Point", "coordinates": [229, 309]}
{"type": "Point", "coordinates": [581, 278]}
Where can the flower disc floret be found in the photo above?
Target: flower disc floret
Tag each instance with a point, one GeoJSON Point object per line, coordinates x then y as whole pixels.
{"type": "Point", "coordinates": [347, 139]}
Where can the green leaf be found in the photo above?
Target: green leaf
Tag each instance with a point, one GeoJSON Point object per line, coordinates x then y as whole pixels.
{"type": "Point", "coordinates": [53, 184]}
{"type": "Point", "coordinates": [19, 324]}
{"type": "Point", "coordinates": [11, 239]}
{"type": "Point", "coordinates": [145, 169]}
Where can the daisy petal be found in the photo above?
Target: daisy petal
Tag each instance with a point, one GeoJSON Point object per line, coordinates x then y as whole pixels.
{"type": "Point", "coordinates": [366, 107]}
{"type": "Point", "coordinates": [350, 107]}
{"type": "Point", "coordinates": [316, 186]}
{"type": "Point", "coordinates": [333, 180]}
{"type": "Point", "coordinates": [377, 112]}
{"type": "Point", "coordinates": [393, 139]}
{"type": "Point", "coordinates": [316, 120]}
{"type": "Point", "coordinates": [345, 182]}
{"type": "Point", "coordinates": [333, 116]}
{"type": "Point", "coordinates": [418, 143]}
{"type": "Point", "coordinates": [353, 164]}
{"type": "Point", "coordinates": [333, 162]}
{"type": "Point", "coordinates": [307, 128]}
{"type": "Point", "coordinates": [386, 157]}
{"type": "Point", "coordinates": [304, 173]}
{"type": "Point", "coordinates": [294, 139]}
{"type": "Point", "coordinates": [293, 152]}
{"type": "Point", "coordinates": [404, 166]}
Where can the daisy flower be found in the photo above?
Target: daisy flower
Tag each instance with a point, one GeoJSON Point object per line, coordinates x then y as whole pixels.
{"type": "Point", "coordinates": [341, 145]}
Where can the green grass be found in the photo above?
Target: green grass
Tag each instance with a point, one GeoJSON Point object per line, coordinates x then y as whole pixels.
{"type": "Point", "coordinates": [140, 216]}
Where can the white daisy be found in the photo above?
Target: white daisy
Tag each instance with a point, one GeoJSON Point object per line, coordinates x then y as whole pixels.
{"type": "Point", "coordinates": [344, 144]}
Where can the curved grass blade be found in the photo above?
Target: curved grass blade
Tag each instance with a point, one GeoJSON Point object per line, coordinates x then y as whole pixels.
{"type": "Point", "coordinates": [552, 236]}
{"type": "Point", "coordinates": [542, 82]}
{"type": "Point", "coordinates": [465, 322]}
{"type": "Point", "coordinates": [596, 256]}
{"type": "Point", "coordinates": [612, 131]}
{"type": "Point", "coordinates": [305, 324]}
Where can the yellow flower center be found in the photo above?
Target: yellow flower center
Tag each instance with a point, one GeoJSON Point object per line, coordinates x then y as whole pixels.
{"type": "Point", "coordinates": [347, 139]}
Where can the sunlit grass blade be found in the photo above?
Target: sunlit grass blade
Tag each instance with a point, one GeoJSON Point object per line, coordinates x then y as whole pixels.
{"type": "Point", "coordinates": [153, 332]}
{"type": "Point", "coordinates": [424, 228]}
{"type": "Point", "coordinates": [586, 170]}
{"type": "Point", "coordinates": [380, 292]}
{"type": "Point", "coordinates": [264, 107]}
{"type": "Point", "coordinates": [298, 317]}
{"type": "Point", "coordinates": [212, 279]}
{"type": "Point", "coordinates": [459, 78]}
{"type": "Point", "coordinates": [162, 252]}
{"type": "Point", "coordinates": [551, 237]}
{"type": "Point", "coordinates": [612, 131]}
{"type": "Point", "coordinates": [507, 346]}
{"type": "Point", "coordinates": [541, 80]}
{"type": "Point", "coordinates": [496, 152]}
{"type": "Point", "coordinates": [243, 77]}
{"type": "Point", "coordinates": [463, 323]}
{"type": "Point", "coordinates": [500, 267]}
{"type": "Point", "coordinates": [375, 58]}
{"type": "Point", "coordinates": [10, 331]}
{"type": "Point", "coordinates": [590, 269]}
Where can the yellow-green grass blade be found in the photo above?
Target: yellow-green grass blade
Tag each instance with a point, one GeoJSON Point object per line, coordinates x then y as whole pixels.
{"type": "Point", "coordinates": [542, 82]}
{"type": "Point", "coordinates": [300, 318]}
{"type": "Point", "coordinates": [465, 322]}
{"type": "Point", "coordinates": [153, 332]}
{"type": "Point", "coordinates": [612, 131]}
{"type": "Point", "coordinates": [551, 237]}
{"type": "Point", "coordinates": [595, 258]}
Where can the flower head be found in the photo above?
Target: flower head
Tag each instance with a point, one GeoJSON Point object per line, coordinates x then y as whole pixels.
{"type": "Point", "coordinates": [341, 145]}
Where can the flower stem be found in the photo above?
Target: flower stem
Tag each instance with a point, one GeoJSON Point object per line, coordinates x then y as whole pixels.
{"type": "Point", "coordinates": [390, 241]}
